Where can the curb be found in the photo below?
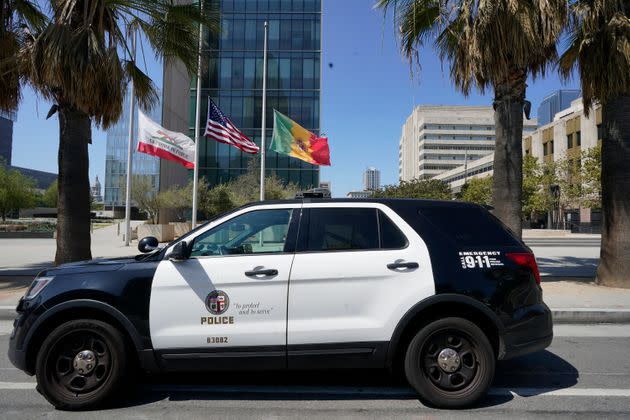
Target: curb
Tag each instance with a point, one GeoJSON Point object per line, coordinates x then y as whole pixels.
{"type": "Point", "coordinates": [560, 316]}
{"type": "Point", "coordinates": [590, 316]}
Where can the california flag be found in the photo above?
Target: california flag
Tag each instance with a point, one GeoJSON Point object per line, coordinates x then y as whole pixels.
{"type": "Point", "coordinates": [157, 141]}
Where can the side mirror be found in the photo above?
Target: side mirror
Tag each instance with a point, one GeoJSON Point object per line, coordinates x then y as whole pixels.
{"type": "Point", "coordinates": [148, 244]}
{"type": "Point", "coordinates": [180, 252]}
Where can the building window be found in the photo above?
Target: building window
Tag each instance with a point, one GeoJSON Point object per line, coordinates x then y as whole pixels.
{"type": "Point", "coordinates": [569, 141]}
{"type": "Point", "coordinates": [600, 131]}
{"type": "Point", "coordinates": [578, 138]}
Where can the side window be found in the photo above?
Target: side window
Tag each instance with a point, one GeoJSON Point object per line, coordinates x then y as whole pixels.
{"type": "Point", "coordinates": [391, 236]}
{"type": "Point", "coordinates": [336, 229]}
{"type": "Point", "coordinates": [256, 232]}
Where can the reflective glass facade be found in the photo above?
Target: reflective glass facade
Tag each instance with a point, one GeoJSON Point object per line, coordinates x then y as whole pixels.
{"type": "Point", "coordinates": [233, 79]}
{"type": "Point", "coordinates": [116, 157]}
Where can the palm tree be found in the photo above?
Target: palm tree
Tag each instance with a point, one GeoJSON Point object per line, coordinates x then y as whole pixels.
{"type": "Point", "coordinates": [600, 50]}
{"type": "Point", "coordinates": [18, 18]}
{"type": "Point", "coordinates": [82, 61]}
{"type": "Point", "coordinates": [489, 44]}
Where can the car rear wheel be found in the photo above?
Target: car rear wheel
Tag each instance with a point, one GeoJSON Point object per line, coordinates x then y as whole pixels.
{"type": "Point", "coordinates": [450, 363]}
{"type": "Point", "coordinates": [81, 364]}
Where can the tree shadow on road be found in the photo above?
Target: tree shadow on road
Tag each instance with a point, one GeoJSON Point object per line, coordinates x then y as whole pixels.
{"type": "Point", "coordinates": [525, 376]}
{"type": "Point", "coordinates": [567, 266]}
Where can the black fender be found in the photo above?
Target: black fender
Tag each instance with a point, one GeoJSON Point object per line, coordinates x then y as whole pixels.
{"type": "Point", "coordinates": [441, 299]}
{"type": "Point", "coordinates": [145, 355]}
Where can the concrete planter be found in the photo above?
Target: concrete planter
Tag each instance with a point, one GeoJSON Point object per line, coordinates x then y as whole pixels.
{"type": "Point", "coordinates": [163, 233]}
{"type": "Point", "coordinates": [181, 228]}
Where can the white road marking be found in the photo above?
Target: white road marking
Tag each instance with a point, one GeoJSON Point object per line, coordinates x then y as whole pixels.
{"type": "Point", "coordinates": [351, 391]}
{"type": "Point", "coordinates": [17, 385]}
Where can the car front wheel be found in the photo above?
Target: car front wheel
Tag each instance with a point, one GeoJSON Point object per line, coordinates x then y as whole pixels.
{"type": "Point", "coordinates": [81, 364]}
{"type": "Point", "coordinates": [450, 363]}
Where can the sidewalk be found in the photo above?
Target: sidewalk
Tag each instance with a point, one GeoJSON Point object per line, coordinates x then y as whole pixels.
{"type": "Point", "coordinates": [27, 257]}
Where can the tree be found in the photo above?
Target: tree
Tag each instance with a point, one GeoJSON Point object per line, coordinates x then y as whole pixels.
{"type": "Point", "coordinates": [418, 188]}
{"type": "Point", "coordinates": [18, 19]}
{"type": "Point", "coordinates": [82, 61]}
{"type": "Point", "coordinates": [489, 44]}
{"type": "Point", "coordinates": [16, 191]}
{"type": "Point", "coordinates": [599, 34]}
{"type": "Point", "coordinates": [144, 197]}
{"type": "Point", "coordinates": [477, 190]}
{"type": "Point", "coordinates": [216, 201]}
{"type": "Point", "coordinates": [50, 196]}
{"type": "Point", "coordinates": [246, 188]}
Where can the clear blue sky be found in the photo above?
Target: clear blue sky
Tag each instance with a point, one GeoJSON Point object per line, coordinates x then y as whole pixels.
{"type": "Point", "coordinates": [366, 97]}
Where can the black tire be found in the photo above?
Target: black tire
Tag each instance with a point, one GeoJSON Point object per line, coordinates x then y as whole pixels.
{"type": "Point", "coordinates": [456, 381]}
{"type": "Point", "coordinates": [71, 384]}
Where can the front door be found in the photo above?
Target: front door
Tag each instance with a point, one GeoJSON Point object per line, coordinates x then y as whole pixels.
{"type": "Point", "coordinates": [230, 297]}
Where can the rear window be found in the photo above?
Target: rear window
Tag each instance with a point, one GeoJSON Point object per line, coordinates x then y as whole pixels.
{"type": "Point", "coordinates": [469, 226]}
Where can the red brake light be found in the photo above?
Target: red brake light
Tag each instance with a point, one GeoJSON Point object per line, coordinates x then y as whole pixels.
{"type": "Point", "coordinates": [525, 259]}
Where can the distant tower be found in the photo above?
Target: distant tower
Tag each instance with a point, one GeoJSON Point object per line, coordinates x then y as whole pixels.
{"type": "Point", "coordinates": [371, 179]}
{"type": "Point", "coordinates": [96, 191]}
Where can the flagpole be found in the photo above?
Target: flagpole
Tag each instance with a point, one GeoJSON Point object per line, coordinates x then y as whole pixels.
{"type": "Point", "coordinates": [130, 150]}
{"type": "Point", "coordinates": [264, 120]}
{"type": "Point", "coordinates": [197, 131]}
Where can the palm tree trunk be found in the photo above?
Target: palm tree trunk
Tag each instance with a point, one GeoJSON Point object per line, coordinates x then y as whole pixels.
{"type": "Point", "coordinates": [614, 263]}
{"type": "Point", "coordinates": [73, 208]}
{"type": "Point", "coordinates": [507, 187]}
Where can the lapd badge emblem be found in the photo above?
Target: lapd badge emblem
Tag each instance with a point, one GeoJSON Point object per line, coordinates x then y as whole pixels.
{"type": "Point", "coordinates": [217, 302]}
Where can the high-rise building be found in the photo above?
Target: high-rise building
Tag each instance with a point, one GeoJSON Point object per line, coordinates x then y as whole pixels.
{"type": "Point", "coordinates": [371, 179]}
{"type": "Point", "coordinates": [233, 76]}
{"type": "Point", "coordinates": [116, 157]}
{"type": "Point", "coordinates": [436, 139]}
{"type": "Point", "coordinates": [6, 136]}
{"type": "Point", "coordinates": [554, 103]}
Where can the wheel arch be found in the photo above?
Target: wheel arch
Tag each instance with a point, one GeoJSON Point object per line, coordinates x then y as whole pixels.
{"type": "Point", "coordinates": [90, 309]}
{"type": "Point", "coordinates": [440, 306]}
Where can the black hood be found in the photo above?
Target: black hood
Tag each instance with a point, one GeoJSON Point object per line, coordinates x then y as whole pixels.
{"type": "Point", "coordinates": [89, 266]}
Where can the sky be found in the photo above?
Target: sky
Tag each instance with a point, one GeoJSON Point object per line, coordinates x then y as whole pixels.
{"type": "Point", "coordinates": [368, 91]}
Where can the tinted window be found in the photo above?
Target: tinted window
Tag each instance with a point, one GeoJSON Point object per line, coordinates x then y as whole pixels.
{"type": "Point", "coordinates": [469, 226]}
{"type": "Point", "coordinates": [256, 232]}
{"type": "Point", "coordinates": [334, 229]}
{"type": "Point", "coordinates": [391, 236]}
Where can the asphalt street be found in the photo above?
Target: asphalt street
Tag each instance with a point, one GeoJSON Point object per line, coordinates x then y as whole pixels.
{"type": "Point", "coordinates": [584, 374]}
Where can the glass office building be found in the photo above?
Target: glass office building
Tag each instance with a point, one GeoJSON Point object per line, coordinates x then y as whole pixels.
{"type": "Point", "coordinates": [233, 76]}
{"type": "Point", "coordinates": [116, 157]}
{"type": "Point", "coordinates": [554, 103]}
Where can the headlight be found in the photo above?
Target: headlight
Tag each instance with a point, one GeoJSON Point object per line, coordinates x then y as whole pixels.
{"type": "Point", "coordinates": [37, 286]}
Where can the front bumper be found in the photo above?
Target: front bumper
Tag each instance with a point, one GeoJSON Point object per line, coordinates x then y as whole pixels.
{"type": "Point", "coordinates": [28, 311]}
{"type": "Point", "coordinates": [533, 332]}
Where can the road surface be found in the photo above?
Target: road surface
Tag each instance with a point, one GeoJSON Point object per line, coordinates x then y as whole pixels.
{"type": "Point", "coordinates": [584, 374]}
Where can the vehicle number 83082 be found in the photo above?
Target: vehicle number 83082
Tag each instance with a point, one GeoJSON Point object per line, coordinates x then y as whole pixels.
{"type": "Point", "coordinates": [217, 340]}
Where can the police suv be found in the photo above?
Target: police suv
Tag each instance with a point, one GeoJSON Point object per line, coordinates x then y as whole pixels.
{"type": "Point", "coordinates": [439, 290]}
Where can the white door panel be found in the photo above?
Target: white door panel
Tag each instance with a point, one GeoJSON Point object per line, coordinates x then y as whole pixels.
{"type": "Point", "coordinates": [251, 310]}
{"type": "Point", "coordinates": [351, 296]}
{"type": "Point", "coordinates": [256, 314]}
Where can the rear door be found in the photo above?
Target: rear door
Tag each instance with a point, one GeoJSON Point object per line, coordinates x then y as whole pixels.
{"type": "Point", "coordinates": [358, 268]}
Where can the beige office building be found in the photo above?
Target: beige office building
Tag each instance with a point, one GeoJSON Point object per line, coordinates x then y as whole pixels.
{"type": "Point", "coordinates": [570, 132]}
{"type": "Point", "coordinates": [437, 139]}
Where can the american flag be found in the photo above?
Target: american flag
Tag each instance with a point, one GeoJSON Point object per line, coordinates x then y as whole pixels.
{"type": "Point", "coordinates": [220, 128]}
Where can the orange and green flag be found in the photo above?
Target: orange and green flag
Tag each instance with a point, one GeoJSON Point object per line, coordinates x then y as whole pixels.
{"type": "Point", "coordinates": [289, 138]}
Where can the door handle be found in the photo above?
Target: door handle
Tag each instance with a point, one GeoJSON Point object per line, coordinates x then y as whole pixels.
{"type": "Point", "coordinates": [407, 265]}
{"type": "Point", "coordinates": [256, 273]}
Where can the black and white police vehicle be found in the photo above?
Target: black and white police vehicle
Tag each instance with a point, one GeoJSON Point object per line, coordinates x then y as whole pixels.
{"type": "Point", "coordinates": [439, 290]}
